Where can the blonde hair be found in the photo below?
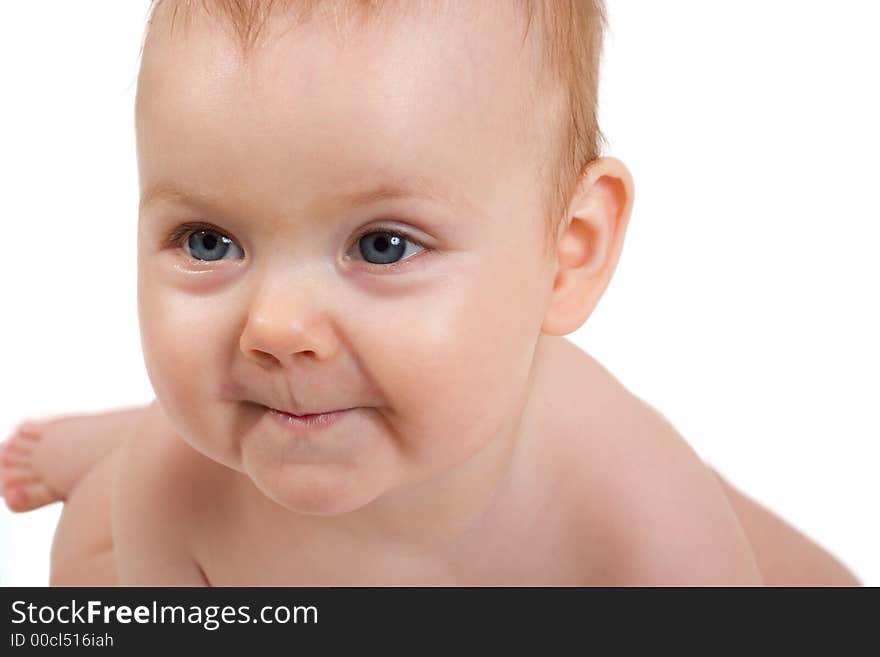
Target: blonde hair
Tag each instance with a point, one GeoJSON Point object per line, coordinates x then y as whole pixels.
{"type": "Point", "coordinates": [571, 45]}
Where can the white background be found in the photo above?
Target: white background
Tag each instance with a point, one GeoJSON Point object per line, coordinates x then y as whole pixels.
{"type": "Point", "coordinates": [744, 308]}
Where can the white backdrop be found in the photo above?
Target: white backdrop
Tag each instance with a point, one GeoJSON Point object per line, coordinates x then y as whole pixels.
{"type": "Point", "coordinates": [744, 308]}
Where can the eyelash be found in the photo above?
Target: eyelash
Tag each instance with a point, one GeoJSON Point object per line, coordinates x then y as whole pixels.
{"type": "Point", "coordinates": [178, 235]}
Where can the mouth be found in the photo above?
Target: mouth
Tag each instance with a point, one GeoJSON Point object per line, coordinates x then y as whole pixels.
{"type": "Point", "coordinates": [309, 421]}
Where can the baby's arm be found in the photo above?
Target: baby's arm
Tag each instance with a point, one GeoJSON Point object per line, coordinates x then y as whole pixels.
{"type": "Point", "coordinates": [786, 556]}
{"type": "Point", "coordinates": [696, 542]}
{"type": "Point", "coordinates": [667, 521]}
{"type": "Point", "coordinates": [149, 509]}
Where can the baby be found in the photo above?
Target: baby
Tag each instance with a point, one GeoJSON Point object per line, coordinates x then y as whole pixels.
{"type": "Point", "coordinates": [365, 228]}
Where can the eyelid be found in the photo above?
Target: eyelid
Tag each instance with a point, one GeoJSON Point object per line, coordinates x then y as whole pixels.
{"type": "Point", "coordinates": [174, 239]}
{"type": "Point", "coordinates": [389, 229]}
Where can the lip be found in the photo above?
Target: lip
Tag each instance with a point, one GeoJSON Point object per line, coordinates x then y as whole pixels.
{"type": "Point", "coordinates": [309, 422]}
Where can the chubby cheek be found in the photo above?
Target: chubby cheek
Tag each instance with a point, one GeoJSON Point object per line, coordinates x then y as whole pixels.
{"type": "Point", "coordinates": [456, 361]}
{"type": "Point", "coordinates": [183, 338]}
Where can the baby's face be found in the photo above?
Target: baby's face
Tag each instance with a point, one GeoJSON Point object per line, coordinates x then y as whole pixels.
{"type": "Point", "coordinates": [336, 225]}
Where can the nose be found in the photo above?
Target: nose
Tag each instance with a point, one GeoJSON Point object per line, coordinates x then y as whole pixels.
{"type": "Point", "coordinates": [282, 324]}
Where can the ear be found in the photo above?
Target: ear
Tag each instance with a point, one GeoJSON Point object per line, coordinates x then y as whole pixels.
{"type": "Point", "coordinates": [589, 244]}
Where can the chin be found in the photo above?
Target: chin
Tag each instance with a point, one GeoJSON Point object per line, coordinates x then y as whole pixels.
{"type": "Point", "coordinates": [312, 490]}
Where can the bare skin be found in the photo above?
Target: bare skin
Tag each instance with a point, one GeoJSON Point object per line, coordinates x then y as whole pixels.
{"type": "Point", "coordinates": [82, 554]}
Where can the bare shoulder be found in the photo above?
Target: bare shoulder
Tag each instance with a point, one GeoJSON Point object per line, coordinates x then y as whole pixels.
{"type": "Point", "coordinates": [648, 510]}
{"type": "Point", "coordinates": [154, 505]}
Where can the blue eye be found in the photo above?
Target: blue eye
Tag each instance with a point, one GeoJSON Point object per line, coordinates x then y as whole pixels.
{"type": "Point", "coordinates": [209, 245]}
{"type": "Point", "coordinates": [205, 244]}
{"type": "Point", "coordinates": [383, 247]}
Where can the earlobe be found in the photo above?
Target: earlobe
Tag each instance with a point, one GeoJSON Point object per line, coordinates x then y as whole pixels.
{"type": "Point", "coordinates": [590, 243]}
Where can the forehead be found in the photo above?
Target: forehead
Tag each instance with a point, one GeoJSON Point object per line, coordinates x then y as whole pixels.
{"type": "Point", "coordinates": [447, 95]}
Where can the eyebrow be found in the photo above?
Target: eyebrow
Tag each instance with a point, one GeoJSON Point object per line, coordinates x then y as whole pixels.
{"type": "Point", "coordinates": [414, 188]}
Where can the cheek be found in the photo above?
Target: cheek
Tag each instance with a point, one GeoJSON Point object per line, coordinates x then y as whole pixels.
{"type": "Point", "coordinates": [184, 339]}
{"type": "Point", "coordinates": [455, 360]}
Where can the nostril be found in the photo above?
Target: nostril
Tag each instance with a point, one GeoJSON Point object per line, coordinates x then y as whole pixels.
{"type": "Point", "coordinates": [264, 358]}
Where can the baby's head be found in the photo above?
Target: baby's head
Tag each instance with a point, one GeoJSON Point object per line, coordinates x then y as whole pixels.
{"type": "Point", "coordinates": [380, 206]}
